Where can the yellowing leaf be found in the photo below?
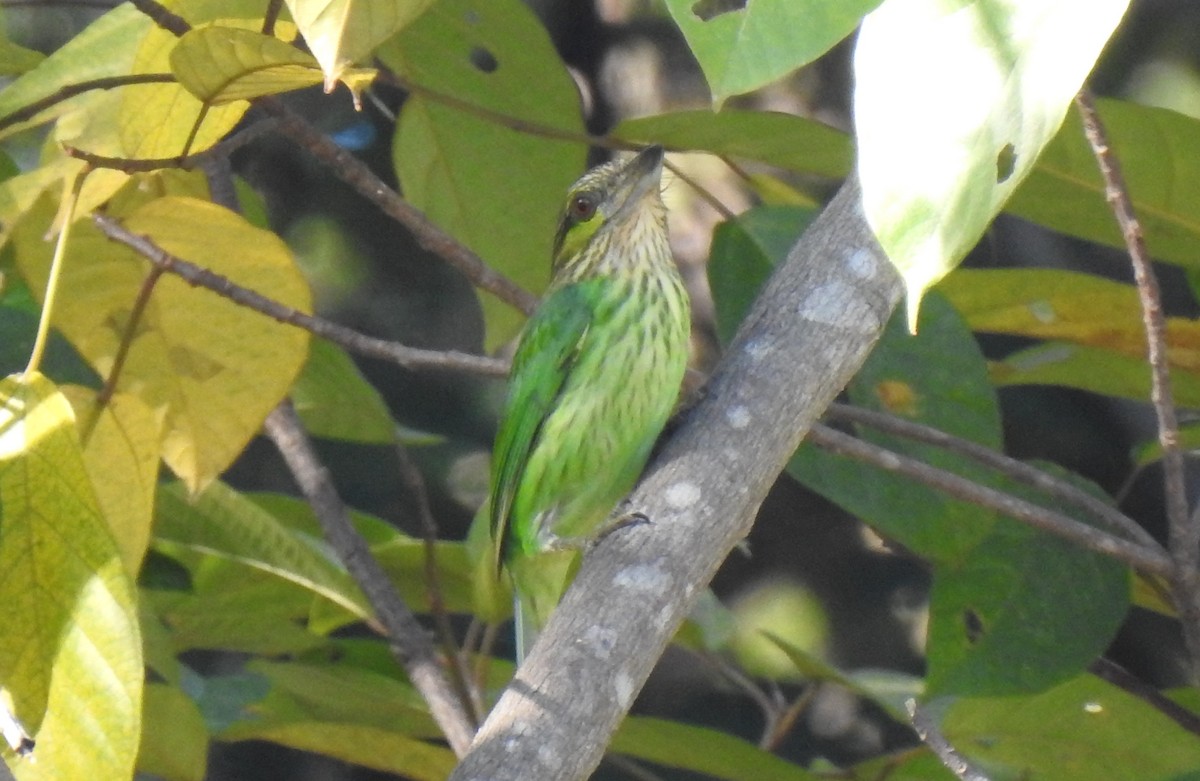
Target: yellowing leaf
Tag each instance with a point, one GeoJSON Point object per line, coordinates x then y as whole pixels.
{"type": "Point", "coordinates": [70, 653]}
{"type": "Point", "coordinates": [221, 64]}
{"type": "Point", "coordinates": [165, 120]}
{"type": "Point", "coordinates": [121, 444]}
{"type": "Point", "coordinates": [1068, 307]}
{"type": "Point", "coordinates": [342, 32]}
{"type": "Point", "coordinates": [216, 367]}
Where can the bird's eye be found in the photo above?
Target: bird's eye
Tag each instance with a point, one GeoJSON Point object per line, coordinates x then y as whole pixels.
{"type": "Point", "coordinates": [582, 208]}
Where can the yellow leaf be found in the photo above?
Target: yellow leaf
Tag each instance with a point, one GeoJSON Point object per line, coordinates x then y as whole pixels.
{"type": "Point", "coordinates": [121, 444]}
{"type": "Point", "coordinates": [342, 32]}
{"type": "Point", "coordinates": [217, 368]}
{"type": "Point", "coordinates": [70, 652]}
{"type": "Point", "coordinates": [219, 64]}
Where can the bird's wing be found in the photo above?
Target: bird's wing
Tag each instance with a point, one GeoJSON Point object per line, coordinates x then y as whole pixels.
{"type": "Point", "coordinates": [545, 358]}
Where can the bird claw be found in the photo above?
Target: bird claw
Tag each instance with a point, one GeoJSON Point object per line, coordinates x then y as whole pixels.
{"type": "Point", "coordinates": [624, 522]}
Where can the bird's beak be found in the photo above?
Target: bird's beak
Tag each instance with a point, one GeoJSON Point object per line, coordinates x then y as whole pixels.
{"type": "Point", "coordinates": [641, 178]}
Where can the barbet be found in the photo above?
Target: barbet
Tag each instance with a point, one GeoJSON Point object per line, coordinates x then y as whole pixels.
{"type": "Point", "coordinates": [596, 373]}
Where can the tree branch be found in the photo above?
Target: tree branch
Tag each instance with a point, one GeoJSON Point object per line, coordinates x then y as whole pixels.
{"type": "Point", "coordinates": [927, 730]}
{"type": "Point", "coordinates": [1149, 560]}
{"type": "Point", "coordinates": [807, 335]}
{"type": "Point", "coordinates": [1183, 531]}
{"type": "Point", "coordinates": [1010, 467]}
{"type": "Point", "coordinates": [406, 637]}
{"type": "Point", "coordinates": [399, 354]}
{"type": "Point", "coordinates": [358, 175]}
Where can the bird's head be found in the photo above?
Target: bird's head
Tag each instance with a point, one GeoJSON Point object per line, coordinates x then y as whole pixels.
{"type": "Point", "coordinates": [606, 198]}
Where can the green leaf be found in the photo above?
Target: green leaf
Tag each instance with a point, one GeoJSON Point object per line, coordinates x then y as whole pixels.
{"type": "Point", "coordinates": [346, 712]}
{"type": "Point", "coordinates": [212, 615]}
{"type": "Point", "coordinates": [1159, 152]}
{"type": "Point", "coordinates": [335, 401]}
{"type": "Point", "coordinates": [938, 378]}
{"type": "Point", "coordinates": [1081, 730]}
{"type": "Point", "coordinates": [176, 748]}
{"type": "Point", "coordinates": [715, 754]}
{"type": "Point", "coordinates": [222, 522]}
{"type": "Point", "coordinates": [16, 59]}
{"type": "Point", "coordinates": [463, 162]}
{"type": "Point", "coordinates": [401, 556]}
{"type": "Point", "coordinates": [742, 46]}
{"type": "Point", "coordinates": [70, 653]}
{"type": "Point", "coordinates": [783, 140]}
{"type": "Point", "coordinates": [219, 64]}
{"type": "Point", "coordinates": [948, 129]}
{"type": "Point", "coordinates": [342, 32]}
{"type": "Point", "coordinates": [1023, 612]}
{"type": "Point", "coordinates": [744, 250]}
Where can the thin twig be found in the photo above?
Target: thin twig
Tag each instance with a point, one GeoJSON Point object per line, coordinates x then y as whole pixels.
{"type": "Point", "coordinates": [355, 342]}
{"type": "Point", "coordinates": [407, 639]}
{"type": "Point", "coordinates": [414, 483]}
{"type": "Point", "coordinates": [30, 110]}
{"type": "Point", "coordinates": [1068, 528]}
{"type": "Point", "coordinates": [931, 736]}
{"type": "Point", "coordinates": [270, 16]}
{"type": "Point", "coordinates": [358, 175]}
{"type": "Point", "coordinates": [1010, 467]}
{"type": "Point", "coordinates": [1121, 678]}
{"type": "Point", "coordinates": [161, 16]}
{"type": "Point", "coordinates": [1183, 531]}
{"type": "Point", "coordinates": [133, 165]}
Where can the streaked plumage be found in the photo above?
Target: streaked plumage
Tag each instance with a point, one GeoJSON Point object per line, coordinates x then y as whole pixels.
{"type": "Point", "coordinates": [596, 373]}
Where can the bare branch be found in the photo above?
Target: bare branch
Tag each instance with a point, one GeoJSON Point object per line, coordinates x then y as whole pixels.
{"type": "Point", "coordinates": [158, 13]}
{"type": "Point", "coordinates": [1089, 537]}
{"type": "Point", "coordinates": [399, 354]}
{"type": "Point", "coordinates": [1183, 531]}
{"type": "Point", "coordinates": [133, 165]}
{"type": "Point", "coordinates": [1010, 467]}
{"type": "Point", "coordinates": [78, 88]}
{"type": "Point", "coordinates": [406, 637]}
{"type": "Point", "coordinates": [931, 736]}
{"type": "Point", "coordinates": [358, 175]}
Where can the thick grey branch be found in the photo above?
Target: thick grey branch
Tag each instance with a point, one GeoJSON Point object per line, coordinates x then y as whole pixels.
{"type": "Point", "coordinates": [807, 335]}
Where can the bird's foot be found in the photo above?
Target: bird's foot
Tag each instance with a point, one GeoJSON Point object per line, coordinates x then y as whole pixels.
{"type": "Point", "coordinates": [623, 521]}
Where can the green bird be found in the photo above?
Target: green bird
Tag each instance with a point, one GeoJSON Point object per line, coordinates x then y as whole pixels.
{"type": "Point", "coordinates": [596, 373]}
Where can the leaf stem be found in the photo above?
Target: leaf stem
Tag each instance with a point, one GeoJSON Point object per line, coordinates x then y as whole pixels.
{"type": "Point", "coordinates": [71, 200]}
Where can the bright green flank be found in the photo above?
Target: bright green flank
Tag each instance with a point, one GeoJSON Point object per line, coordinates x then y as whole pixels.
{"type": "Point", "coordinates": [596, 373]}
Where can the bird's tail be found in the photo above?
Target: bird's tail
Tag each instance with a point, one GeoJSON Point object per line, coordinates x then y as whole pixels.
{"type": "Point", "coordinates": [538, 583]}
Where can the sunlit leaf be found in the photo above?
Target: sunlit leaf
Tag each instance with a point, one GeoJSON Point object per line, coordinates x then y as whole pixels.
{"type": "Point", "coordinates": [70, 655]}
{"type": "Point", "coordinates": [217, 367]}
{"type": "Point", "coordinates": [122, 439]}
{"type": "Point", "coordinates": [220, 64]}
{"type": "Point", "coordinates": [342, 32]}
{"type": "Point", "coordinates": [954, 100]}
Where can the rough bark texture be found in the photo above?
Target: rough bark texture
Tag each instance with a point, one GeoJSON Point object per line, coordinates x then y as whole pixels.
{"type": "Point", "coordinates": [804, 339]}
